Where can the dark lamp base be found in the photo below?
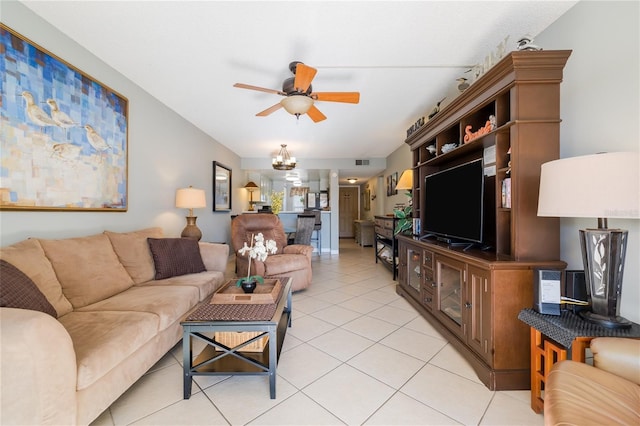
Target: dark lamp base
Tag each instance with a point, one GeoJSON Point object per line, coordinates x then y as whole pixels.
{"type": "Point", "coordinates": [605, 321]}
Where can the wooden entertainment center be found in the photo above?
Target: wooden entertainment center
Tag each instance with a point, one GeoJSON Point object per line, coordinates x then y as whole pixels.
{"type": "Point", "coordinates": [473, 295]}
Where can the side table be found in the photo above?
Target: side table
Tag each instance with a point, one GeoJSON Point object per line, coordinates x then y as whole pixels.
{"type": "Point", "coordinates": [555, 338]}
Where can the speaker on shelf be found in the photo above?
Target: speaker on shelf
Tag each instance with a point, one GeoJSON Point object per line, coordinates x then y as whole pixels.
{"type": "Point", "coordinates": [575, 287]}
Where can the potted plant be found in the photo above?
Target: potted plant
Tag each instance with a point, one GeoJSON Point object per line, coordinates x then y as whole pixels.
{"type": "Point", "coordinates": [259, 249]}
{"type": "Point", "coordinates": [404, 224]}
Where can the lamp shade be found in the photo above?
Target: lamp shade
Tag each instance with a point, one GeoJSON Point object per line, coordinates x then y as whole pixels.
{"type": "Point", "coordinates": [190, 198]}
{"type": "Point", "coordinates": [251, 186]}
{"type": "Point", "coordinates": [406, 180]}
{"type": "Point", "coordinates": [599, 186]}
{"type": "Point", "coordinates": [297, 104]}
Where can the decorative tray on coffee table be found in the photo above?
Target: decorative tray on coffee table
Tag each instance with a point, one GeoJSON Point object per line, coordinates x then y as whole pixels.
{"type": "Point", "coordinates": [266, 293]}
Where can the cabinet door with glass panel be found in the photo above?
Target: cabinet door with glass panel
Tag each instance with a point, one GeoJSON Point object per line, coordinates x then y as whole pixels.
{"type": "Point", "coordinates": [413, 269]}
{"type": "Point", "coordinates": [450, 275]}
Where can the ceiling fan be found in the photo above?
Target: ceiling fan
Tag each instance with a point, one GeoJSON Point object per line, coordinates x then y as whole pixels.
{"type": "Point", "coordinates": [298, 95]}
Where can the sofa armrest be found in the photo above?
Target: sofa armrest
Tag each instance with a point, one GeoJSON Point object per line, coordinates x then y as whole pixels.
{"type": "Point", "coordinates": [298, 249]}
{"type": "Point", "coordinates": [618, 356]}
{"type": "Point", "coordinates": [215, 256]}
{"type": "Point", "coordinates": [38, 369]}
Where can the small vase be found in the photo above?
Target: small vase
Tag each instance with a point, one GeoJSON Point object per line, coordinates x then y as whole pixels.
{"type": "Point", "coordinates": [248, 286]}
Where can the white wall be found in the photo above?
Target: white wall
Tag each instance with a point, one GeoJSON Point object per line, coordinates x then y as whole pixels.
{"type": "Point", "coordinates": [165, 153]}
{"type": "Point", "coordinates": [600, 110]}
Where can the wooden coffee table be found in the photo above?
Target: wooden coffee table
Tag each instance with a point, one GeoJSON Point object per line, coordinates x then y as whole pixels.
{"type": "Point", "coordinates": [219, 359]}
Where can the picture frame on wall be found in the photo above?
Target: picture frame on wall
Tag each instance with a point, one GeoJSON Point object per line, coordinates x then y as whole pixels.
{"type": "Point", "coordinates": [312, 199]}
{"type": "Point", "coordinates": [324, 199]}
{"type": "Point", "coordinates": [66, 131]}
{"type": "Point", "coordinates": [392, 181]}
{"type": "Point", "coordinates": [221, 187]}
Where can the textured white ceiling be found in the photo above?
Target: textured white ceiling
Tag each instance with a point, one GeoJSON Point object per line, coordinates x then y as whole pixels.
{"type": "Point", "coordinates": [402, 56]}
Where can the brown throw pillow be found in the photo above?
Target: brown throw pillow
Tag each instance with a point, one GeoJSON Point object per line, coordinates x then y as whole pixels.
{"type": "Point", "coordinates": [175, 256]}
{"type": "Point", "coordinates": [18, 291]}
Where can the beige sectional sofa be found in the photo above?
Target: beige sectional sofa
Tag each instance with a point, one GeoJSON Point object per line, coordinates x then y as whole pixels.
{"type": "Point", "coordinates": [112, 319]}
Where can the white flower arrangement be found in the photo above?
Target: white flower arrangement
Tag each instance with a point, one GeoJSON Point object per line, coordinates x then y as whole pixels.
{"type": "Point", "coordinates": [259, 249]}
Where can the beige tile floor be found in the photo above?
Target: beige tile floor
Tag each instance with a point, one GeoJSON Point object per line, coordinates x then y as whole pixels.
{"type": "Point", "coordinates": [357, 354]}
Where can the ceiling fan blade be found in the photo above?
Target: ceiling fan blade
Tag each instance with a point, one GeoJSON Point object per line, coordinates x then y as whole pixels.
{"type": "Point", "coordinates": [304, 75]}
{"type": "Point", "coordinates": [348, 97]}
{"type": "Point", "coordinates": [269, 110]}
{"type": "Point", "coordinates": [315, 114]}
{"type": "Point", "coordinates": [260, 89]}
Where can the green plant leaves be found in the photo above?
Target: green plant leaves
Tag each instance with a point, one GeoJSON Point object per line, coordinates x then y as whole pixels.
{"type": "Point", "coordinates": [257, 278]}
{"type": "Point", "coordinates": [405, 221]}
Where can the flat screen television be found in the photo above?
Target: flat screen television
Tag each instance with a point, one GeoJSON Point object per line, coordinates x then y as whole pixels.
{"type": "Point", "coordinates": [454, 200]}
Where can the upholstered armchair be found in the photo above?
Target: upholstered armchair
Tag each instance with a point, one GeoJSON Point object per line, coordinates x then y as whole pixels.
{"type": "Point", "coordinates": [290, 260]}
{"type": "Point", "coordinates": [606, 393]}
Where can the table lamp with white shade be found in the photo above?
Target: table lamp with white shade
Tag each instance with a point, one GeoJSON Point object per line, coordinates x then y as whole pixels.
{"type": "Point", "coordinates": [191, 198]}
{"type": "Point", "coordinates": [598, 186]}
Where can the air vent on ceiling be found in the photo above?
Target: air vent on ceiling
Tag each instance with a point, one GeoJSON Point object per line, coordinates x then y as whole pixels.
{"type": "Point", "coordinates": [362, 162]}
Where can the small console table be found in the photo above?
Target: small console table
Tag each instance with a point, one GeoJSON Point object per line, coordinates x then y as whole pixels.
{"type": "Point", "coordinates": [386, 248]}
{"type": "Point", "coordinates": [555, 338]}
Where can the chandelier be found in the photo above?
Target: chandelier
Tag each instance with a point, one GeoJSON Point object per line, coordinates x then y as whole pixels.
{"type": "Point", "coordinates": [283, 161]}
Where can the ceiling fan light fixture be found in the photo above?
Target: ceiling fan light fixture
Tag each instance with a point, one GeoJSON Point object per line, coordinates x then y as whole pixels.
{"type": "Point", "coordinates": [283, 161]}
{"type": "Point", "coordinates": [297, 104]}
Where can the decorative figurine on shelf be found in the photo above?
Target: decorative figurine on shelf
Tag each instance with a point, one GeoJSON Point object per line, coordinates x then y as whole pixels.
{"type": "Point", "coordinates": [436, 109]}
{"type": "Point", "coordinates": [526, 43]}
{"type": "Point", "coordinates": [260, 249]}
{"type": "Point", "coordinates": [494, 122]}
{"type": "Point", "coordinates": [432, 149]}
{"type": "Point", "coordinates": [462, 84]}
{"type": "Point", "coordinates": [448, 147]}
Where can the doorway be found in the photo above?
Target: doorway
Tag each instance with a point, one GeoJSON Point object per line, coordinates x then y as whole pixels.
{"type": "Point", "coordinates": [348, 206]}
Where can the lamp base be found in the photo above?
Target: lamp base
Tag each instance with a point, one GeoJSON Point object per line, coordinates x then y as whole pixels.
{"type": "Point", "coordinates": [603, 253]}
{"type": "Point", "coordinates": [191, 230]}
{"type": "Point", "coordinates": [604, 321]}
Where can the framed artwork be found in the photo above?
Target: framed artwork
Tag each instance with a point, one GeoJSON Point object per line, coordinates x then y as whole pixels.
{"type": "Point", "coordinates": [367, 199]}
{"type": "Point", "coordinates": [63, 134]}
{"type": "Point", "coordinates": [311, 200]}
{"type": "Point", "coordinates": [392, 181]}
{"type": "Point", "coordinates": [324, 199]}
{"type": "Point", "coordinates": [221, 187]}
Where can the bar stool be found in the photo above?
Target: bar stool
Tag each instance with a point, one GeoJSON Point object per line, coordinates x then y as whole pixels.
{"type": "Point", "coordinates": [317, 228]}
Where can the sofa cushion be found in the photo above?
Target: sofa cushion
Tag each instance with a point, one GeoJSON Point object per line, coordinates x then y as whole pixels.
{"type": "Point", "coordinates": [29, 257]}
{"type": "Point", "coordinates": [18, 291]}
{"type": "Point", "coordinates": [206, 282]}
{"type": "Point", "coordinates": [87, 268]}
{"type": "Point", "coordinates": [133, 251]}
{"type": "Point", "coordinates": [103, 339]}
{"type": "Point", "coordinates": [175, 256]}
{"type": "Point", "coordinates": [168, 303]}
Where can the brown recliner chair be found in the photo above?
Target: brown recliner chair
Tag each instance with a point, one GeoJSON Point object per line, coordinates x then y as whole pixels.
{"type": "Point", "coordinates": [606, 393]}
{"type": "Point", "coordinates": [290, 260]}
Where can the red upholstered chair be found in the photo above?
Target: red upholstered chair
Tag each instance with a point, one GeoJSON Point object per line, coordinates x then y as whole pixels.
{"type": "Point", "coordinates": [290, 261]}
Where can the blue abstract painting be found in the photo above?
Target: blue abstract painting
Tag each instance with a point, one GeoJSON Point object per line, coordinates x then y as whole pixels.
{"type": "Point", "coordinates": [63, 135]}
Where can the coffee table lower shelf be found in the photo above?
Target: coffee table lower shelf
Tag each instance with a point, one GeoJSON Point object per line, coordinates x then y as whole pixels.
{"type": "Point", "coordinates": [218, 359]}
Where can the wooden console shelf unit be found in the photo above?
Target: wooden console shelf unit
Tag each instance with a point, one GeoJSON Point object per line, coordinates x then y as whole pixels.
{"type": "Point", "coordinates": [473, 296]}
